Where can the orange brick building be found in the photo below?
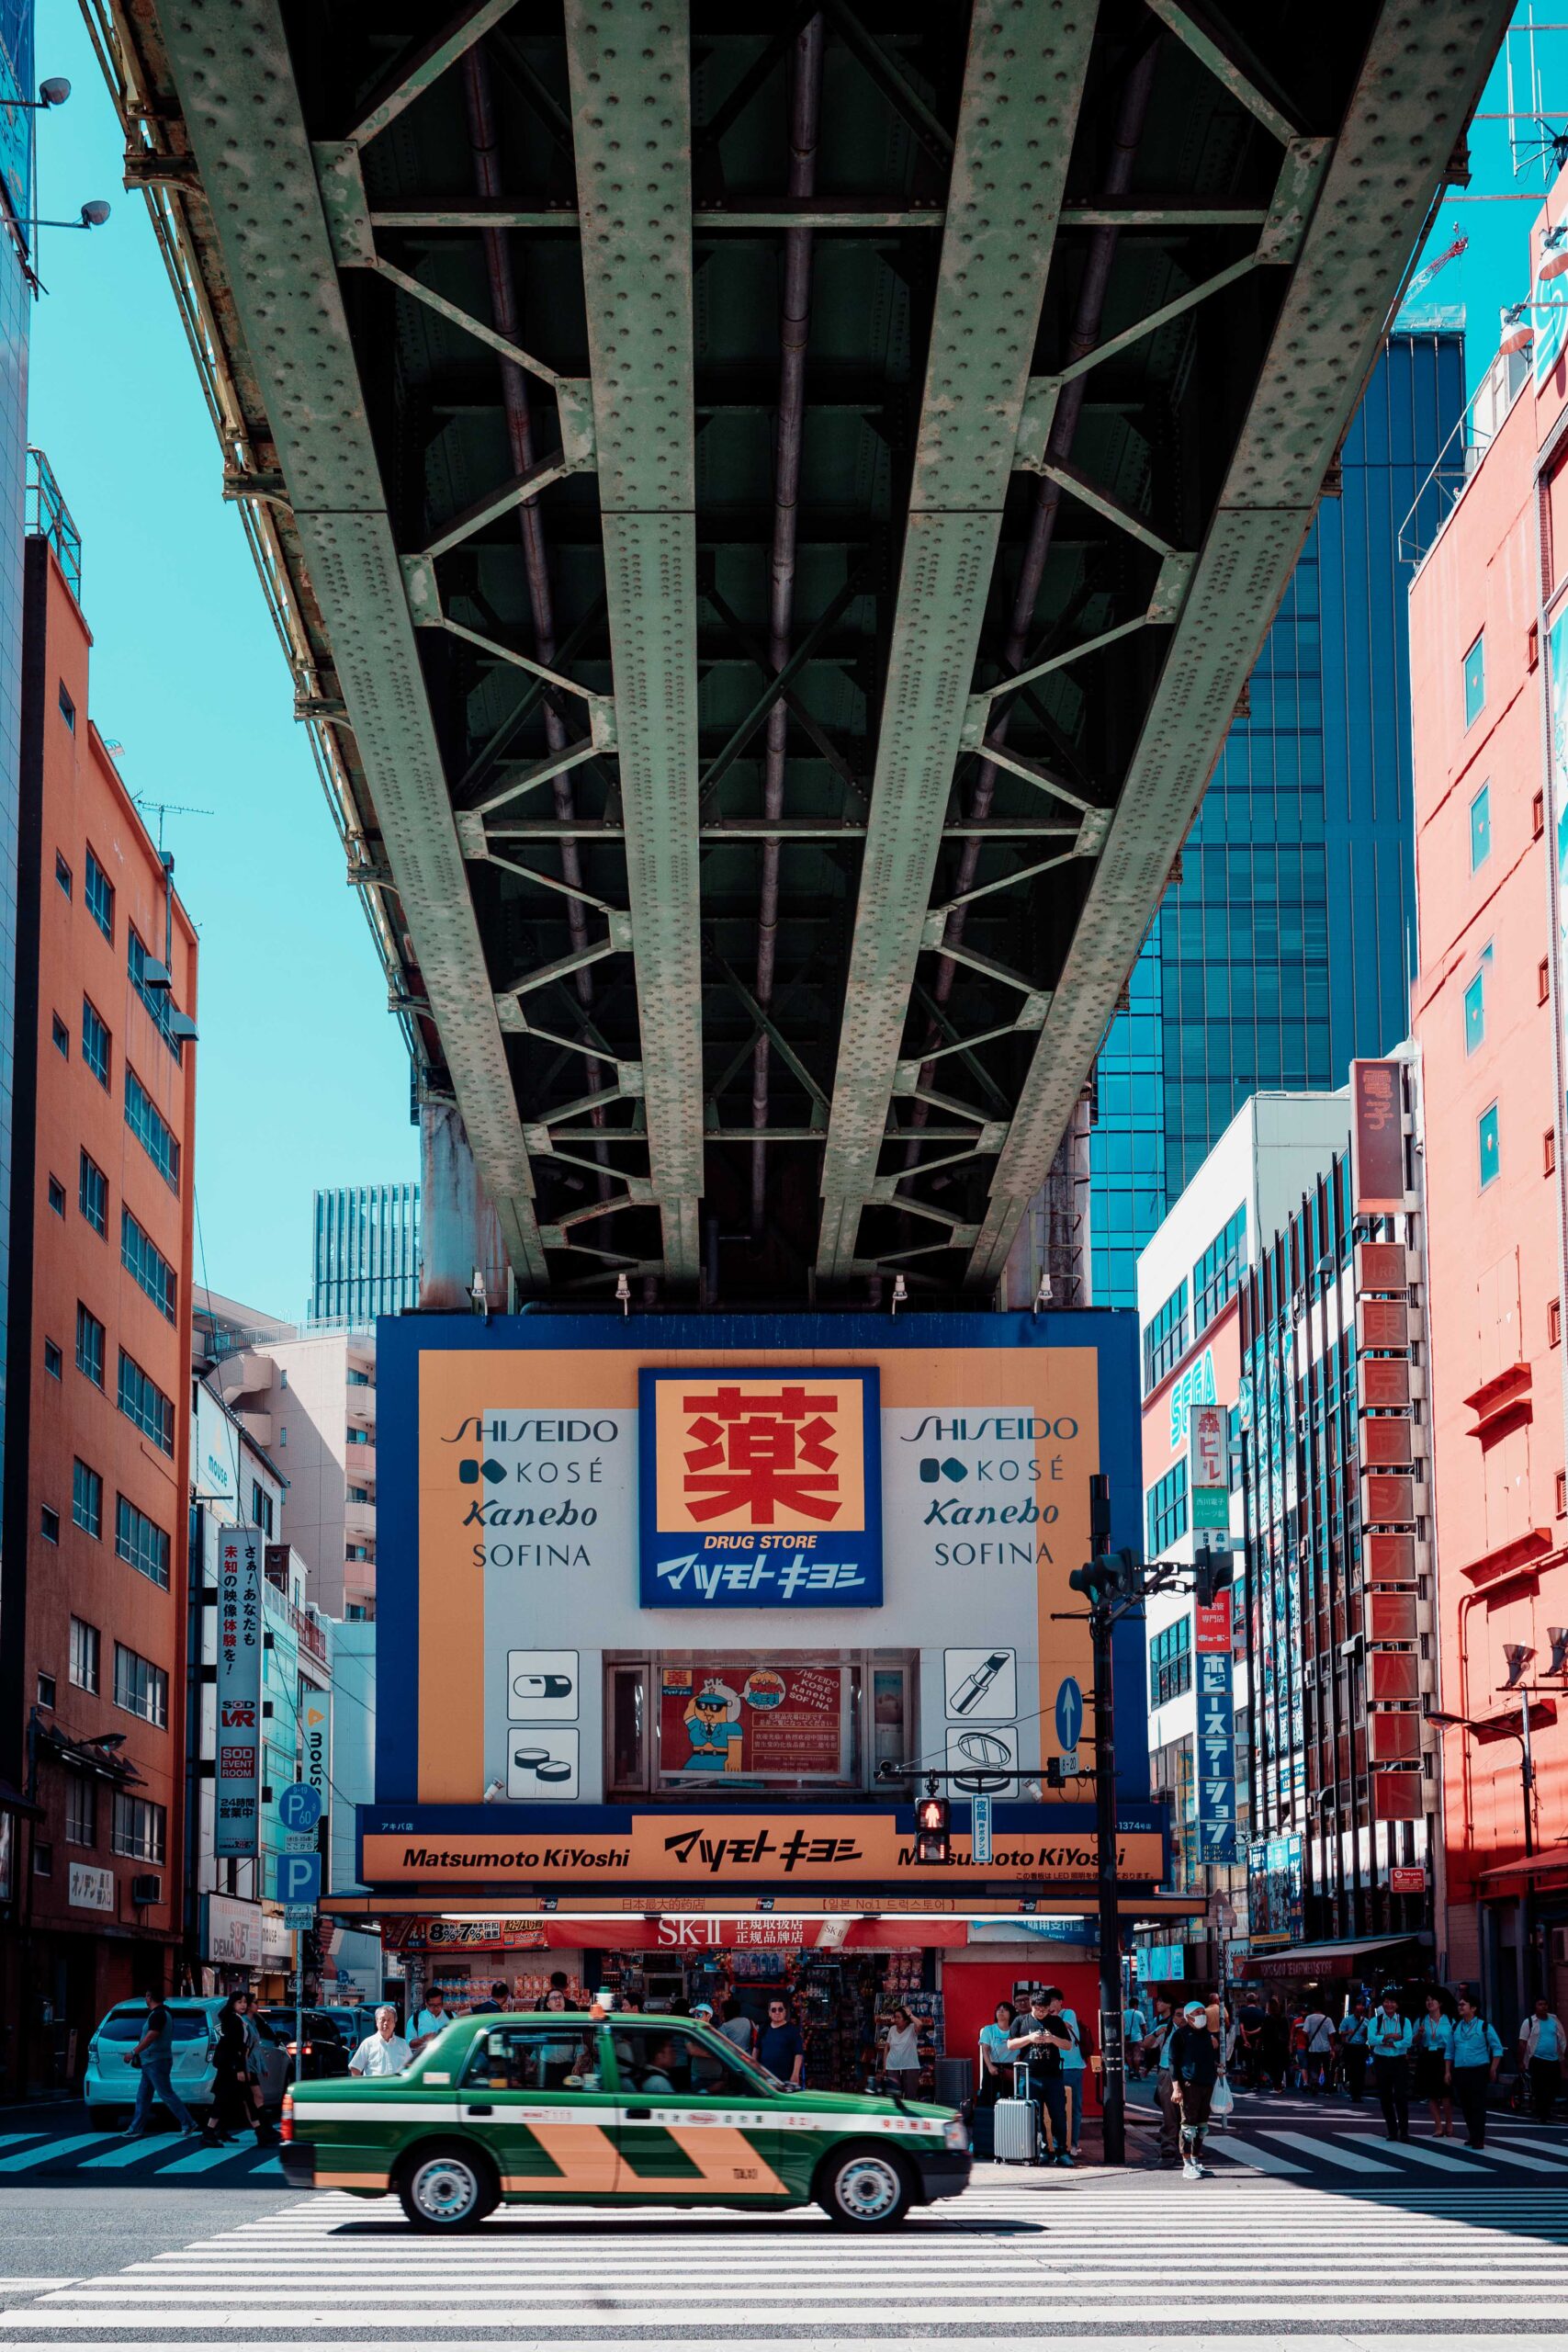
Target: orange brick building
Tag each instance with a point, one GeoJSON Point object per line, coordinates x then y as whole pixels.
{"type": "Point", "coordinates": [92, 1598]}
{"type": "Point", "coordinates": [1486, 621]}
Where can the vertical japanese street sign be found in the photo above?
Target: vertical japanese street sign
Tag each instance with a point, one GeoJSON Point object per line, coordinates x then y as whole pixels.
{"type": "Point", "coordinates": [316, 1739]}
{"type": "Point", "coordinates": [980, 1838]}
{"type": "Point", "coordinates": [1377, 1139]}
{"type": "Point", "coordinates": [1216, 1737]}
{"type": "Point", "coordinates": [237, 1770]}
{"type": "Point", "coordinates": [1208, 1467]}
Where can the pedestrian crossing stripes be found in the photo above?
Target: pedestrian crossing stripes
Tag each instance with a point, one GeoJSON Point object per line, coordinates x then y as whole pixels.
{"type": "Point", "coordinates": [155, 2157]}
{"type": "Point", "coordinates": [1115, 2253]}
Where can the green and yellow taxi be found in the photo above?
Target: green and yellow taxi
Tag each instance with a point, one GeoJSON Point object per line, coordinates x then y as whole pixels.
{"type": "Point", "coordinates": [560, 2107]}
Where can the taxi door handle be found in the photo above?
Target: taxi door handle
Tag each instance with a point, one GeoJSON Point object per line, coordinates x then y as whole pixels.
{"type": "Point", "coordinates": [476, 2109]}
{"type": "Point", "coordinates": [638, 2114]}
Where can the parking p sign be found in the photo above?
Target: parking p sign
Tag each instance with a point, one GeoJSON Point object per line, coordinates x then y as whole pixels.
{"type": "Point", "coordinates": [299, 1888]}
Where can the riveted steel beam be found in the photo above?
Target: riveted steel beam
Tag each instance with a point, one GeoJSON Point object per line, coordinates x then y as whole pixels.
{"type": "Point", "coordinates": [1024, 81]}
{"type": "Point", "coordinates": [232, 67]}
{"type": "Point", "coordinates": [1421, 77]}
{"type": "Point", "coordinates": [630, 76]}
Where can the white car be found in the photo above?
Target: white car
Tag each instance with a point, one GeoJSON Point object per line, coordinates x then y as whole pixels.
{"type": "Point", "coordinates": [109, 2087]}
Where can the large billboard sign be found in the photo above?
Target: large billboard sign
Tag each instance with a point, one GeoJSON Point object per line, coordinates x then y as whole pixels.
{"type": "Point", "coordinates": [622, 1572]}
{"type": "Point", "coordinates": [760, 1492]}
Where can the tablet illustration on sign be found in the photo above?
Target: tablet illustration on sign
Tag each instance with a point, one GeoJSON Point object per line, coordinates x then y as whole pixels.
{"type": "Point", "coordinates": [542, 1686]}
{"type": "Point", "coordinates": [982, 1685]}
{"type": "Point", "coordinates": [541, 1764]}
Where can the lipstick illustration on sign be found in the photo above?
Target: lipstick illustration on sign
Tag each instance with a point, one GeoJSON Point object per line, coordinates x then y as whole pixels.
{"type": "Point", "coordinates": [971, 1691]}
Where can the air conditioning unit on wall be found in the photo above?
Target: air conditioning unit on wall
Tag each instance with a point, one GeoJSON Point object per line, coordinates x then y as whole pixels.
{"type": "Point", "coordinates": [146, 1887]}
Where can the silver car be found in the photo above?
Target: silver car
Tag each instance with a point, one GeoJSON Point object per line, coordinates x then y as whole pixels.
{"type": "Point", "coordinates": [111, 2080]}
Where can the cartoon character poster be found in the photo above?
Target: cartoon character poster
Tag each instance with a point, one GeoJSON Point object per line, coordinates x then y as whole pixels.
{"type": "Point", "coordinates": [725, 1721]}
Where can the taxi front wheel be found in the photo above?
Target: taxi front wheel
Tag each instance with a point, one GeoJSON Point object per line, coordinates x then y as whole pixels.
{"type": "Point", "coordinates": [447, 2187]}
{"type": "Point", "coordinates": [864, 2188]}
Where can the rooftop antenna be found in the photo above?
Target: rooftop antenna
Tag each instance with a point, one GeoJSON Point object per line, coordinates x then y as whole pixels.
{"type": "Point", "coordinates": [160, 809]}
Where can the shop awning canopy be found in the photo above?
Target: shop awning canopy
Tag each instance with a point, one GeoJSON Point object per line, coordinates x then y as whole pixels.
{"type": "Point", "coordinates": [1531, 1873]}
{"type": "Point", "coordinates": [1299, 1960]}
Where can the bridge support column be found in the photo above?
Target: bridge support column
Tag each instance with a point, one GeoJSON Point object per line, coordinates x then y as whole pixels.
{"type": "Point", "coordinates": [460, 1232]}
{"type": "Point", "coordinates": [1053, 1236]}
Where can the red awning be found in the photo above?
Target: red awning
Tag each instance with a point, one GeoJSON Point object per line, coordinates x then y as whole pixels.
{"type": "Point", "coordinates": [1530, 1874]}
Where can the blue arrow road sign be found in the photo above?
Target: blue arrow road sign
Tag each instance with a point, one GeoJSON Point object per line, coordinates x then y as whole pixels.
{"type": "Point", "coordinates": [1069, 1713]}
{"type": "Point", "coordinates": [300, 1806]}
{"type": "Point", "coordinates": [299, 1879]}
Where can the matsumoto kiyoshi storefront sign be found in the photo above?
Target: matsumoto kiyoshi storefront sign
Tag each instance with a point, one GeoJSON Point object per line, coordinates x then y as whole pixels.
{"type": "Point", "coordinates": [759, 1491]}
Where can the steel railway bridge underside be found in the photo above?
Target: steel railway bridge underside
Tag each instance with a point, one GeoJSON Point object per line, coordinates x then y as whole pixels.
{"type": "Point", "coordinates": [771, 514]}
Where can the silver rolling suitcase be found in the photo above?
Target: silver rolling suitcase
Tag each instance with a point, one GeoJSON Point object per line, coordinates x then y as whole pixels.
{"type": "Point", "coordinates": [1017, 2125]}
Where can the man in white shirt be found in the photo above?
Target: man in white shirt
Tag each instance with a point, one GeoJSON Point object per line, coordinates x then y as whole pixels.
{"type": "Point", "coordinates": [1317, 2034]}
{"type": "Point", "coordinates": [1541, 2049]}
{"type": "Point", "coordinates": [384, 2051]}
{"type": "Point", "coordinates": [433, 2019]}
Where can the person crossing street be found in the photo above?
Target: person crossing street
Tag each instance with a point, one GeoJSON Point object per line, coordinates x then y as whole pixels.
{"type": "Point", "coordinates": [1389, 2038]}
{"type": "Point", "coordinates": [1156, 2050]}
{"type": "Point", "coordinates": [154, 2056]}
{"type": "Point", "coordinates": [1353, 2050]}
{"type": "Point", "coordinates": [1474, 2056]}
{"type": "Point", "coordinates": [1541, 2052]}
{"type": "Point", "coordinates": [1194, 2070]}
{"type": "Point", "coordinates": [1434, 2061]}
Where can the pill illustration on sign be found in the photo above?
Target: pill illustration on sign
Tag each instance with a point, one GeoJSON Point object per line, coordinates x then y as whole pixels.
{"type": "Point", "coordinates": [541, 1686]}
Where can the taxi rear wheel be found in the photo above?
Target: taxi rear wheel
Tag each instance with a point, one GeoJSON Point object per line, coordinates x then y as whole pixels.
{"type": "Point", "coordinates": [448, 2186]}
{"type": "Point", "coordinates": [864, 2188]}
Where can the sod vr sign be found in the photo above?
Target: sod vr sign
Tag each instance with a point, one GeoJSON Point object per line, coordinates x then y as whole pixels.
{"type": "Point", "coordinates": [759, 1490]}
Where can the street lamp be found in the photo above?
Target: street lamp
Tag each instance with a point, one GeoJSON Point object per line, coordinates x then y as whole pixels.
{"type": "Point", "coordinates": [1497, 1730]}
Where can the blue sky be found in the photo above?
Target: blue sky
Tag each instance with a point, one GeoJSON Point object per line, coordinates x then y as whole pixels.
{"type": "Point", "coordinates": [302, 1080]}
{"type": "Point", "coordinates": [302, 1077]}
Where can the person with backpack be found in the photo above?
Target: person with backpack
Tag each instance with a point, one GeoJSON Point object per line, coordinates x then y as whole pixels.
{"type": "Point", "coordinates": [1194, 2071]}
{"type": "Point", "coordinates": [1317, 2048]}
{"type": "Point", "coordinates": [1474, 2056]}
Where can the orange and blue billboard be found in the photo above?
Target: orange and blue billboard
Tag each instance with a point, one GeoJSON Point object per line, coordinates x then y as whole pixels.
{"type": "Point", "coordinates": [759, 1489]}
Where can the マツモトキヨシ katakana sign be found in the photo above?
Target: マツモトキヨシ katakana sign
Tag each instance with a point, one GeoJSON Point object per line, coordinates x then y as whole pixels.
{"type": "Point", "coordinates": [761, 1490]}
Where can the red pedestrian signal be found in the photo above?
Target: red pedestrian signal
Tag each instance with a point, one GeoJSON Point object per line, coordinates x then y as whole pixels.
{"type": "Point", "coordinates": [932, 1842]}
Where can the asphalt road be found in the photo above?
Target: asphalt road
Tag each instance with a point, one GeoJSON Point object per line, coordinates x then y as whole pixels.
{"type": "Point", "coordinates": [1310, 2235]}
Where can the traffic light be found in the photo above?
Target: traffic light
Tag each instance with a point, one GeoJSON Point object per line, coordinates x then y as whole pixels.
{"type": "Point", "coordinates": [1109, 1576]}
{"type": "Point", "coordinates": [1054, 1776]}
{"type": "Point", "coordinates": [1210, 1576]}
{"type": "Point", "coordinates": [932, 1842]}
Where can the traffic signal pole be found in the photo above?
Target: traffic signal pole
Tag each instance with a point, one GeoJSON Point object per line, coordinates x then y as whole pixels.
{"type": "Point", "coordinates": [1112, 2095]}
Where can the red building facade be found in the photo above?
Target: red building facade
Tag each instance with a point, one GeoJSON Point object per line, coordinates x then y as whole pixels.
{"type": "Point", "coordinates": [1487, 609]}
{"type": "Point", "coordinates": [93, 1601]}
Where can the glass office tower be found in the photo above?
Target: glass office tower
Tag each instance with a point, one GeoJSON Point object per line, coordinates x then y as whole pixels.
{"type": "Point", "coordinates": [366, 1254]}
{"type": "Point", "coordinates": [1287, 946]}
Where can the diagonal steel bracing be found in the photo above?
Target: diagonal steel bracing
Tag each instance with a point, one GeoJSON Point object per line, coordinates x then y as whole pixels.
{"type": "Point", "coordinates": [236, 78]}
{"type": "Point", "coordinates": [1421, 77]}
{"type": "Point", "coordinates": [630, 70]}
{"type": "Point", "coordinates": [1024, 81]}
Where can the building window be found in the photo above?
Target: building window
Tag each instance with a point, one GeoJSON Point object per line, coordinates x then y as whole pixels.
{"type": "Point", "coordinates": [1171, 1662]}
{"type": "Point", "coordinates": [63, 873]}
{"type": "Point", "coordinates": [45, 1687]}
{"type": "Point", "coordinates": [1218, 1271]}
{"type": "Point", "coordinates": [1542, 982]}
{"type": "Point", "coordinates": [1487, 1144]}
{"type": "Point", "coordinates": [93, 1193]}
{"type": "Point", "coordinates": [83, 1654]}
{"type": "Point", "coordinates": [56, 1196]}
{"type": "Point", "coordinates": [143, 1401]}
{"type": "Point", "coordinates": [1164, 1337]}
{"type": "Point", "coordinates": [53, 1362]}
{"type": "Point", "coordinates": [359, 1437]}
{"type": "Point", "coordinates": [358, 1379]}
{"type": "Point", "coordinates": [1538, 815]}
{"type": "Point", "coordinates": [96, 1041]}
{"type": "Point", "coordinates": [1475, 1012]}
{"type": "Point", "coordinates": [140, 1255]}
{"type": "Point", "coordinates": [1562, 1493]}
{"type": "Point", "coordinates": [1554, 1322]}
{"type": "Point", "coordinates": [1480, 828]}
{"type": "Point", "coordinates": [152, 1131]}
{"type": "Point", "coordinates": [261, 1507]}
{"type": "Point", "coordinates": [48, 1523]}
{"type": "Point", "coordinates": [1475, 680]}
{"type": "Point", "coordinates": [159, 1002]}
{"type": "Point", "coordinates": [359, 1494]}
{"type": "Point", "coordinates": [139, 1686]}
{"type": "Point", "coordinates": [141, 1542]}
{"type": "Point", "coordinates": [67, 707]}
{"type": "Point", "coordinates": [99, 894]}
{"type": "Point", "coordinates": [62, 1035]}
{"type": "Point", "coordinates": [139, 1828]}
{"type": "Point", "coordinates": [86, 1499]}
{"type": "Point", "coordinates": [80, 1810]}
{"type": "Point", "coordinates": [1549, 1151]}
{"type": "Point", "coordinates": [1166, 1509]}
{"type": "Point", "coordinates": [358, 1552]}
{"type": "Point", "coordinates": [90, 1339]}
{"type": "Point", "coordinates": [282, 1434]}
{"type": "Point", "coordinates": [43, 1860]}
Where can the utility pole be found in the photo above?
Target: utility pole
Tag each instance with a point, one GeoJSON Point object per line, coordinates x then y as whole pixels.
{"type": "Point", "coordinates": [1112, 2088]}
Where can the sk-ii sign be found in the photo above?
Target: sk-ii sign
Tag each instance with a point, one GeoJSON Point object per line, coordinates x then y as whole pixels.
{"type": "Point", "coordinates": [759, 1489]}
{"type": "Point", "coordinates": [1216, 1734]}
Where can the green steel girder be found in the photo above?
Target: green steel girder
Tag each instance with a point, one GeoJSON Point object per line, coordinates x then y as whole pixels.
{"type": "Point", "coordinates": [630, 72]}
{"type": "Point", "coordinates": [232, 66]}
{"type": "Point", "coordinates": [1420, 81]}
{"type": "Point", "coordinates": [1023, 83]}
